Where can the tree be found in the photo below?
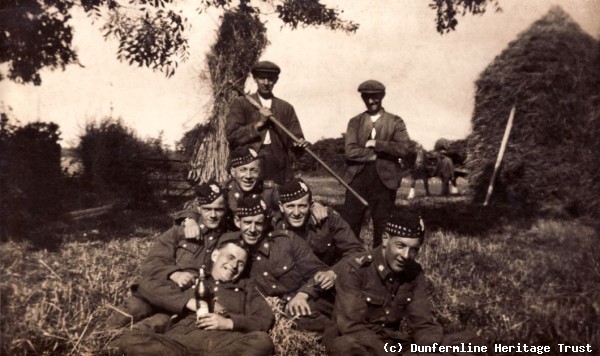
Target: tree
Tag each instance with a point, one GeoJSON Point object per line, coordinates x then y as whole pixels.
{"type": "Point", "coordinates": [37, 34]}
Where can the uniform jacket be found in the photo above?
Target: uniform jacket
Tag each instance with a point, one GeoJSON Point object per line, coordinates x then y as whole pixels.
{"type": "Point", "coordinates": [282, 263]}
{"type": "Point", "coordinates": [392, 142]}
{"type": "Point", "coordinates": [330, 241]}
{"type": "Point", "coordinates": [173, 252]}
{"type": "Point", "coordinates": [240, 131]}
{"type": "Point", "coordinates": [372, 299]}
{"type": "Point", "coordinates": [240, 301]}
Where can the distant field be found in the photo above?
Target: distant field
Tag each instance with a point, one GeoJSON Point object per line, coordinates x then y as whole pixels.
{"type": "Point", "coordinates": [534, 281]}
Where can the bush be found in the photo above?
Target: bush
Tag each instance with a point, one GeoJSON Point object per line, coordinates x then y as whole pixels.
{"type": "Point", "coordinates": [30, 175]}
{"type": "Point", "coordinates": [116, 162]}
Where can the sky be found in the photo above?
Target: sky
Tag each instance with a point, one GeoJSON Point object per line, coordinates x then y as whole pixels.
{"type": "Point", "coordinates": [429, 77]}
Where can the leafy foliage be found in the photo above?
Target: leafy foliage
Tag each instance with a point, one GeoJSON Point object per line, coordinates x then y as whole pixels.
{"type": "Point", "coordinates": [30, 175]}
{"type": "Point", "coordinates": [37, 34]}
{"type": "Point", "coordinates": [115, 162]}
{"type": "Point", "coordinates": [447, 10]}
{"type": "Point", "coordinates": [330, 150]}
{"type": "Point", "coordinates": [33, 35]}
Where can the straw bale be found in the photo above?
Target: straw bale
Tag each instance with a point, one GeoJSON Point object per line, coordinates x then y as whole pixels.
{"type": "Point", "coordinates": [551, 74]}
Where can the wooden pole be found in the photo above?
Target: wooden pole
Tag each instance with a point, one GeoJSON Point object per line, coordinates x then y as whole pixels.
{"type": "Point", "coordinates": [500, 155]}
{"type": "Point", "coordinates": [308, 150]}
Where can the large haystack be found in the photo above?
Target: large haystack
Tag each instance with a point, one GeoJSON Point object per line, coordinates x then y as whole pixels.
{"type": "Point", "coordinates": [551, 73]}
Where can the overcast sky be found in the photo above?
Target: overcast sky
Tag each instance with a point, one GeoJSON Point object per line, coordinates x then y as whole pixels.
{"type": "Point", "coordinates": [429, 77]}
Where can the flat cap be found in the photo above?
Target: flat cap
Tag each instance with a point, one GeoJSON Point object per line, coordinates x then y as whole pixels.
{"type": "Point", "coordinates": [405, 224]}
{"type": "Point", "coordinates": [371, 87]}
{"type": "Point", "coordinates": [265, 67]}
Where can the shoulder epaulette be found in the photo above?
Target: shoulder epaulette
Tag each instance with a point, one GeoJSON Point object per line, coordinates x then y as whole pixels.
{"type": "Point", "coordinates": [361, 260]}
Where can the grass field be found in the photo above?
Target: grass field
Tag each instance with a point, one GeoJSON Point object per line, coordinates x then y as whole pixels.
{"type": "Point", "coordinates": [511, 279]}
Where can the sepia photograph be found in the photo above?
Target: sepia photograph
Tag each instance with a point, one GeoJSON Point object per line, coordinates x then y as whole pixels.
{"type": "Point", "coordinates": [300, 177]}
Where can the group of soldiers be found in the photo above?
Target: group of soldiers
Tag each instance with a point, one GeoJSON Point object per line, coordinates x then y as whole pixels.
{"type": "Point", "coordinates": [261, 234]}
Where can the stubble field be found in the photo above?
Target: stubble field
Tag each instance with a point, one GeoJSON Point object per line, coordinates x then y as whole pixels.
{"type": "Point", "coordinates": [510, 278]}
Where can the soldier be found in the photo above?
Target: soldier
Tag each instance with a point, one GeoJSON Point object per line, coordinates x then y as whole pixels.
{"type": "Point", "coordinates": [283, 265]}
{"type": "Point", "coordinates": [245, 167]}
{"type": "Point", "coordinates": [248, 127]}
{"type": "Point", "coordinates": [173, 262]}
{"type": "Point", "coordinates": [377, 289]}
{"type": "Point", "coordinates": [375, 140]}
{"type": "Point", "coordinates": [237, 325]}
{"type": "Point", "coordinates": [330, 240]}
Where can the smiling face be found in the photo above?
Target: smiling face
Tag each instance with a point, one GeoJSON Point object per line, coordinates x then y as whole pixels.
{"type": "Point", "coordinates": [296, 212]}
{"type": "Point", "coordinates": [373, 102]}
{"type": "Point", "coordinates": [399, 251]}
{"type": "Point", "coordinates": [252, 227]}
{"type": "Point", "coordinates": [212, 214]}
{"type": "Point", "coordinates": [247, 175]}
{"type": "Point", "coordinates": [265, 84]}
{"type": "Point", "coordinates": [229, 262]}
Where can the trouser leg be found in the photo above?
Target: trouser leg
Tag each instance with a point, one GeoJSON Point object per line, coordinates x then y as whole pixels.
{"type": "Point", "coordinates": [142, 343]}
{"type": "Point", "coordinates": [353, 211]}
{"type": "Point", "coordinates": [133, 310]}
{"type": "Point", "coordinates": [445, 186]}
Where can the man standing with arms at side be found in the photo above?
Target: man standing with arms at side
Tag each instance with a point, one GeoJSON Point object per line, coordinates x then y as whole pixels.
{"type": "Point", "coordinates": [375, 140]}
{"type": "Point", "coordinates": [248, 127]}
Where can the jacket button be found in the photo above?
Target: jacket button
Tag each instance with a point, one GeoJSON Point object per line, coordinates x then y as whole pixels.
{"type": "Point", "coordinates": [216, 289]}
{"type": "Point", "coordinates": [368, 299]}
{"type": "Point", "coordinates": [329, 244]}
{"type": "Point", "coordinates": [387, 312]}
{"type": "Point", "coordinates": [274, 286]}
{"type": "Point", "coordinates": [237, 289]}
{"type": "Point", "coordinates": [184, 245]}
{"type": "Point", "coordinates": [211, 238]}
{"type": "Point", "coordinates": [284, 268]}
{"type": "Point", "coordinates": [408, 299]}
{"type": "Point", "coordinates": [265, 273]}
{"type": "Point", "coordinates": [258, 258]}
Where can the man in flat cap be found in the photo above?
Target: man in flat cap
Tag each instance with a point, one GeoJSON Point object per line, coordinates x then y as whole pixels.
{"type": "Point", "coordinates": [376, 290]}
{"type": "Point", "coordinates": [237, 322]}
{"type": "Point", "coordinates": [283, 265]}
{"type": "Point", "coordinates": [375, 140]}
{"type": "Point", "coordinates": [248, 127]}
{"type": "Point", "coordinates": [172, 264]}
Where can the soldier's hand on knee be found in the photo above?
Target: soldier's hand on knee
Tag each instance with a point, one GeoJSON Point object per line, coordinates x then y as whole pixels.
{"type": "Point", "coordinates": [298, 305]}
{"type": "Point", "coordinates": [370, 143]}
{"type": "Point", "coordinates": [191, 230]}
{"type": "Point", "coordinates": [318, 213]}
{"type": "Point", "coordinates": [325, 279]}
{"type": "Point", "coordinates": [182, 279]}
{"type": "Point", "coordinates": [212, 321]}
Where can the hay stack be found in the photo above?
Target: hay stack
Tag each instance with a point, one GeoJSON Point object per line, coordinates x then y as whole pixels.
{"type": "Point", "coordinates": [241, 38]}
{"type": "Point", "coordinates": [551, 73]}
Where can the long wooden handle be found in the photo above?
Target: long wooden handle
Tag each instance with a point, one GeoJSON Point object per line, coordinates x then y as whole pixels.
{"type": "Point", "coordinates": [308, 150]}
{"type": "Point", "coordinates": [500, 155]}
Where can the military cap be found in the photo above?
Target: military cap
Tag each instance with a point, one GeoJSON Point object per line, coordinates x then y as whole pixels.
{"type": "Point", "coordinates": [265, 67]}
{"type": "Point", "coordinates": [405, 224]}
{"type": "Point", "coordinates": [250, 206]}
{"type": "Point", "coordinates": [241, 156]}
{"type": "Point", "coordinates": [371, 87]}
{"type": "Point", "coordinates": [207, 192]}
{"type": "Point", "coordinates": [292, 190]}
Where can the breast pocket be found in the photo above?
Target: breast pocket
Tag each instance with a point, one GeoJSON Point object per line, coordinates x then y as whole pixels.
{"type": "Point", "coordinates": [280, 268]}
{"type": "Point", "coordinates": [186, 254]}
